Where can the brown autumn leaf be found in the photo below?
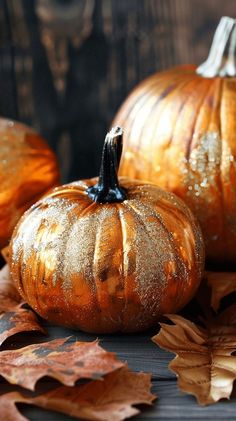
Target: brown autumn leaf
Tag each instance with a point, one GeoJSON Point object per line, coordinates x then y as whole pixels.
{"type": "Point", "coordinates": [62, 359]}
{"type": "Point", "coordinates": [113, 398]}
{"type": "Point", "coordinates": [9, 411]}
{"type": "Point", "coordinates": [9, 296]}
{"type": "Point", "coordinates": [204, 363]}
{"type": "Point", "coordinates": [13, 318]}
{"type": "Point", "coordinates": [19, 320]}
{"type": "Point", "coordinates": [222, 284]}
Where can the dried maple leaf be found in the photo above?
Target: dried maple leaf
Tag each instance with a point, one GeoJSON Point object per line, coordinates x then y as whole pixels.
{"type": "Point", "coordinates": [203, 363]}
{"type": "Point", "coordinates": [110, 399]}
{"type": "Point", "coordinates": [19, 320]}
{"type": "Point", "coordinates": [13, 318]}
{"type": "Point", "coordinates": [222, 284]}
{"type": "Point", "coordinates": [9, 411]}
{"type": "Point", "coordinates": [9, 296]}
{"type": "Point", "coordinates": [61, 359]}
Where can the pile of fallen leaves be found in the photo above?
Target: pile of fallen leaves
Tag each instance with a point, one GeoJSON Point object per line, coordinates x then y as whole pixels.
{"type": "Point", "coordinates": [109, 390]}
{"type": "Point", "coordinates": [94, 384]}
{"type": "Point", "coordinates": [205, 361]}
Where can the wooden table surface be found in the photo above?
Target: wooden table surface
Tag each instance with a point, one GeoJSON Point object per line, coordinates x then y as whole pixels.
{"type": "Point", "coordinates": [142, 355]}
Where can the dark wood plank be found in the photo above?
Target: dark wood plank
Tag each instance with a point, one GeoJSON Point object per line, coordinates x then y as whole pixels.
{"type": "Point", "coordinates": [71, 78]}
{"type": "Point", "coordinates": [173, 404]}
{"type": "Point", "coordinates": [142, 355]}
{"type": "Point", "coordinates": [138, 350]}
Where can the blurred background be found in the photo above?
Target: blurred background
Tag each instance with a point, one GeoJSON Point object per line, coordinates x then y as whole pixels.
{"type": "Point", "coordinates": [67, 65]}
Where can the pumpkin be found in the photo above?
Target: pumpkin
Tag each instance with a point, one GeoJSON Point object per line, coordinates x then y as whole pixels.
{"type": "Point", "coordinates": [28, 168]}
{"type": "Point", "coordinates": [106, 255]}
{"type": "Point", "coordinates": [180, 133]}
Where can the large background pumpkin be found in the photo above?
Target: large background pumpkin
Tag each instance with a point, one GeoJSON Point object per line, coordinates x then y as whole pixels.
{"type": "Point", "coordinates": [107, 256]}
{"type": "Point", "coordinates": [28, 168]}
{"type": "Point", "coordinates": [180, 132]}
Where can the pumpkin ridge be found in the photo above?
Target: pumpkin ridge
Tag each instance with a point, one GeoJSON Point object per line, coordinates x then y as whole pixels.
{"type": "Point", "coordinates": [224, 234]}
{"type": "Point", "coordinates": [130, 110]}
{"type": "Point", "coordinates": [35, 268]}
{"type": "Point", "coordinates": [155, 214]}
{"type": "Point", "coordinates": [181, 268]}
{"type": "Point", "coordinates": [142, 104]}
{"type": "Point", "coordinates": [141, 94]}
{"type": "Point", "coordinates": [139, 287]}
{"type": "Point", "coordinates": [136, 212]}
{"type": "Point", "coordinates": [41, 271]}
{"type": "Point", "coordinates": [159, 219]}
{"type": "Point", "coordinates": [177, 74]}
{"type": "Point", "coordinates": [65, 246]}
{"type": "Point", "coordinates": [218, 184]}
{"type": "Point", "coordinates": [21, 284]}
{"type": "Point", "coordinates": [121, 220]}
{"type": "Point", "coordinates": [190, 181]}
{"type": "Point", "coordinates": [98, 234]}
{"type": "Point", "coordinates": [157, 102]}
{"type": "Point", "coordinates": [182, 105]}
{"type": "Point", "coordinates": [70, 192]}
{"type": "Point", "coordinates": [197, 112]}
{"type": "Point", "coordinates": [182, 85]}
{"type": "Point", "coordinates": [219, 178]}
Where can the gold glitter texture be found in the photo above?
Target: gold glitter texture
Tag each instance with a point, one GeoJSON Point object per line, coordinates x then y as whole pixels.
{"type": "Point", "coordinates": [107, 267]}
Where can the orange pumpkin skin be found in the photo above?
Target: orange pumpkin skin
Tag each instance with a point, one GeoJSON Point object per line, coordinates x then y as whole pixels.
{"type": "Point", "coordinates": [107, 267]}
{"type": "Point", "coordinates": [180, 133]}
{"type": "Point", "coordinates": [28, 169]}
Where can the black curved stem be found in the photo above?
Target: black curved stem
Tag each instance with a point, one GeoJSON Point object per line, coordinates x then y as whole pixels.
{"type": "Point", "coordinates": [108, 190]}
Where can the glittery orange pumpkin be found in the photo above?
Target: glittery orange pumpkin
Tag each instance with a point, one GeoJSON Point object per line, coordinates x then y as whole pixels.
{"type": "Point", "coordinates": [180, 133]}
{"type": "Point", "coordinates": [28, 168]}
{"type": "Point", "coordinates": [107, 255]}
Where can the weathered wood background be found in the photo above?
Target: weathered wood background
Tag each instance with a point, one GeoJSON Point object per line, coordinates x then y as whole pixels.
{"type": "Point", "coordinates": [66, 65]}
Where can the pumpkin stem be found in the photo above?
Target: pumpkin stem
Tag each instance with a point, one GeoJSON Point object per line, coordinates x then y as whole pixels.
{"type": "Point", "coordinates": [221, 59]}
{"type": "Point", "coordinates": [108, 190]}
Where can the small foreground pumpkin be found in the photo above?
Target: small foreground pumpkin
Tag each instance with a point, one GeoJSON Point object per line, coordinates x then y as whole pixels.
{"type": "Point", "coordinates": [180, 133]}
{"type": "Point", "coordinates": [107, 255]}
{"type": "Point", "coordinates": [28, 169]}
